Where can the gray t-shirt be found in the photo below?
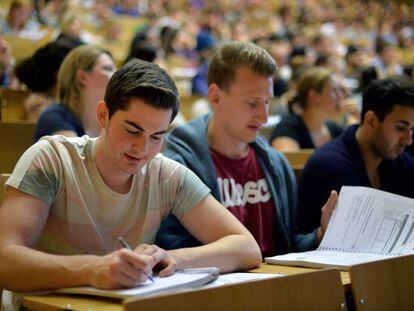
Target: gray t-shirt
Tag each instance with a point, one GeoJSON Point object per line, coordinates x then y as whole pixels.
{"type": "Point", "coordinates": [86, 216]}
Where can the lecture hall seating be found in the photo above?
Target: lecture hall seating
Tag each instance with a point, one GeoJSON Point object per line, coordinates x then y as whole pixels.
{"type": "Point", "coordinates": [11, 104]}
{"type": "Point", "coordinates": [298, 159]}
{"type": "Point", "coordinates": [15, 138]}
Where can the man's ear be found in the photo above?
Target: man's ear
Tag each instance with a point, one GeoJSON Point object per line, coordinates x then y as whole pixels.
{"type": "Point", "coordinates": [214, 95]}
{"type": "Point", "coordinates": [371, 120]}
{"type": "Point", "coordinates": [102, 114]}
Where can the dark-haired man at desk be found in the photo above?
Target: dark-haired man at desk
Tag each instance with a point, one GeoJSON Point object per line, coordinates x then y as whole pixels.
{"type": "Point", "coordinates": [371, 154]}
{"type": "Point", "coordinates": [69, 199]}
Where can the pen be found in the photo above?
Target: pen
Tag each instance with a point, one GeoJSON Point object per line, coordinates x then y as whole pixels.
{"type": "Point", "coordinates": [126, 245]}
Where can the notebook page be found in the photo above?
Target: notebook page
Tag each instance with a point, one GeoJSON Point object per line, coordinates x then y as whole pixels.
{"type": "Point", "coordinates": [240, 277]}
{"type": "Point", "coordinates": [180, 279]}
{"type": "Point", "coordinates": [321, 259]}
{"type": "Point", "coordinates": [368, 220]}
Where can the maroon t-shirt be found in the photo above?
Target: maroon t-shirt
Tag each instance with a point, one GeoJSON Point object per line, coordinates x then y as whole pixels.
{"type": "Point", "coordinates": [245, 193]}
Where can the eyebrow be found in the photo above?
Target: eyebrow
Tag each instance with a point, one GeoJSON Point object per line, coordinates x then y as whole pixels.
{"type": "Point", "coordinates": [141, 129]}
{"type": "Point", "coordinates": [403, 122]}
{"type": "Point", "coordinates": [257, 97]}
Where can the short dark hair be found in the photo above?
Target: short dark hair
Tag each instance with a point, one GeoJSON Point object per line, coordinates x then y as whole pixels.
{"type": "Point", "coordinates": [143, 80]}
{"type": "Point", "coordinates": [145, 51]}
{"type": "Point", "coordinates": [233, 55]}
{"type": "Point", "coordinates": [39, 72]}
{"type": "Point", "coordinates": [366, 76]}
{"type": "Point", "coordinates": [382, 95]}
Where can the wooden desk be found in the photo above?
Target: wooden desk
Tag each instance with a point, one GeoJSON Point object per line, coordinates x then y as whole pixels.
{"type": "Point", "coordinates": [384, 285]}
{"type": "Point", "coordinates": [15, 138]}
{"type": "Point", "coordinates": [11, 104]}
{"type": "Point", "coordinates": [298, 158]}
{"type": "Point", "coordinates": [3, 178]}
{"type": "Point", "coordinates": [88, 303]}
{"type": "Point", "coordinates": [317, 290]}
{"type": "Point", "coordinates": [290, 270]}
{"type": "Point", "coordinates": [71, 302]}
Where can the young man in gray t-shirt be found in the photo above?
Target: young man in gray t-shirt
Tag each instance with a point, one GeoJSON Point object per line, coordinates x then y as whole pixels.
{"type": "Point", "coordinates": [69, 199]}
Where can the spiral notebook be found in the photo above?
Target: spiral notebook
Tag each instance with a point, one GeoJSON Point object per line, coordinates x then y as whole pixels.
{"type": "Point", "coordinates": [366, 225]}
{"type": "Point", "coordinates": [186, 278]}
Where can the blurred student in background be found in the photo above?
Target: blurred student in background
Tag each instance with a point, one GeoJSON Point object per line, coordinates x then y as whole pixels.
{"type": "Point", "coordinates": [82, 80]}
{"type": "Point", "coordinates": [39, 74]}
{"type": "Point", "coordinates": [371, 154]}
{"type": "Point", "coordinates": [309, 124]}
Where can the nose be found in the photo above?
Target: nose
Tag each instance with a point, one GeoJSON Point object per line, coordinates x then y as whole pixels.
{"type": "Point", "coordinates": [407, 138]}
{"type": "Point", "coordinates": [140, 146]}
{"type": "Point", "coordinates": [263, 113]}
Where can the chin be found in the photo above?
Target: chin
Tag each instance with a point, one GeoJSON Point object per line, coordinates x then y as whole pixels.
{"type": "Point", "coordinates": [250, 138]}
{"type": "Point", "coordinates": [130, 169]}
{"type": "Point", "coordinates": [391, 155]}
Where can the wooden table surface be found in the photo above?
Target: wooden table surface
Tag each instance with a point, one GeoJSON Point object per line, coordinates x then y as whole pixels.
{"type": "Point", "coordinates": [89, 303]}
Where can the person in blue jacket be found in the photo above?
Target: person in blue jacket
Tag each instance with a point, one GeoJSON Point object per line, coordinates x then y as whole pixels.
{"type": "Point", "coordinates": [249, 178]}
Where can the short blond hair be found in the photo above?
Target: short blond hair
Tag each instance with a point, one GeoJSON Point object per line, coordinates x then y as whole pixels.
{"type": "Point", "coordinates": [69, 89]}
{"type": "Point", "coordinates": [231, 56]}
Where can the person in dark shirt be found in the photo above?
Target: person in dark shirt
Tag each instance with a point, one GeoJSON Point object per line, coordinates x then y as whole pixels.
{"type": "Point", "coordinates": [308, 125]}
{"type": "Point", "coordinates": [371, 154]}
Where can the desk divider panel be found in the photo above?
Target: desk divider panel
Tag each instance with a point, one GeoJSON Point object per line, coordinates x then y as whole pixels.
{"type": "Point", "coordinates": [298, 158]}
{"type": "Point", "coordinates": [384, 285]}
{"type": "Point", "coordinates": [319, 290]}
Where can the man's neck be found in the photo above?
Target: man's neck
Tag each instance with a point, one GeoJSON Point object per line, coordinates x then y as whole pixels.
{"type": "Point", "coordinates": [116, 181]}
{"type": "Point", "coordinates": [370, 158]}
{"type": "Point", "coordinates": [220, 141]}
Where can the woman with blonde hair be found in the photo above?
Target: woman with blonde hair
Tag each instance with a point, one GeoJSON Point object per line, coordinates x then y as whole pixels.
{"type": "Point", "coordinates": [308, 125]}
{"type": "Point", "coordinates": [82, 80]}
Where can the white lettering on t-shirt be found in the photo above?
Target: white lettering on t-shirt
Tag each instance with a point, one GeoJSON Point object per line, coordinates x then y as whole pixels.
{"type": "Point", "coordinates": [234, 194]}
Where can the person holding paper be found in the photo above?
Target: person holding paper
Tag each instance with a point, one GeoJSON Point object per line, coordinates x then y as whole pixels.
{"type": "Point", "coordinates": [251, 179]}
{"type": "Point", "coordinates": [69, 199]}
{"type": "Point", "coordinates": [370, 154]}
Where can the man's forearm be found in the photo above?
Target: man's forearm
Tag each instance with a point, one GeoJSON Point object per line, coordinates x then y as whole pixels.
{"type": "Point", "coordinates": [23, 269]}
{"type": "Point", "coordinates": [231, 253]}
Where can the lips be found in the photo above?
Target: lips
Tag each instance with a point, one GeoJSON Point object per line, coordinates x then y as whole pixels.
{"type": "Point", "coordinates": [132, 158]}
{"type": "Point", "coordinates": [254, 127]}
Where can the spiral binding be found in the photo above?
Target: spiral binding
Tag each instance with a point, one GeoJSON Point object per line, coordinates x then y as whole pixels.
{"type": "Point", "coordinates": [209, 270]}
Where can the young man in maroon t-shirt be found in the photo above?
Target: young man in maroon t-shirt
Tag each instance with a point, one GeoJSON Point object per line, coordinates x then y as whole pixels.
{"type": "Point", "coordinates": [244, 173]}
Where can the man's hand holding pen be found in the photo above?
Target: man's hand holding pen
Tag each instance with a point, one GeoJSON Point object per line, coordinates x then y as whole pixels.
{"type": "Point", "coordinates": [127, 268]}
